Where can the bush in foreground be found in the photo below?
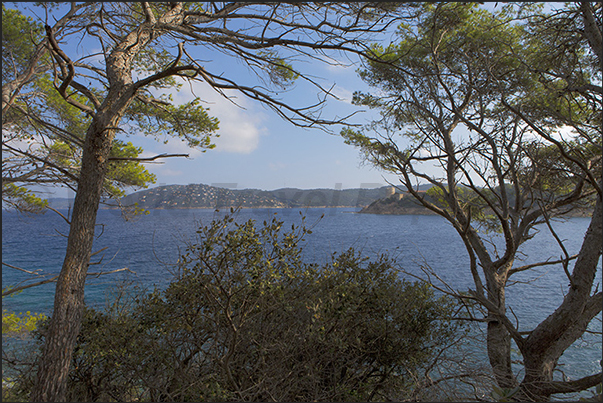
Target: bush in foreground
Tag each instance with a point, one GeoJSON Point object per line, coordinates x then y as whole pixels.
{"type": "Point", "coordinates": [245, 319]}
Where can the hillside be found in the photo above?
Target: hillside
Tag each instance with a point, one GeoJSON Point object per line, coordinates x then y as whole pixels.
{"type": "Point", "coordinates": [205, 196]}
{"type": "Point", "coordinates": [403, 203]}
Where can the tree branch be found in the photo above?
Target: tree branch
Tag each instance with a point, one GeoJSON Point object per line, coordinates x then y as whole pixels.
{"type": "Point", "coordinates": [147, 159]}
{"type": "Point", "coordinates": [546, 136]}
{"type": "Point", "coordinates": [547, 263]}
{"type": "Point", "coordinates": [60, 169]}
{"type": "Point", "coordinates": [572, 386]}
{"type": "Point", "coordinates": [592, 31]}
{"type": "Point", "coordinates": [67, 81]}
{"type": "Point", "coordinates": [53, 279]}
{"type": "Point", "coordinates": [11, 89]}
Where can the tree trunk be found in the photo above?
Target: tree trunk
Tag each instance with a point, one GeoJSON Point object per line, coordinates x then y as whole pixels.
{"type": "Point", "coordinates": [498, 337]}
{"type": "Point", "coordinates": [549, 340]}
{"type": "Point", "coordinates": [69, 296]}
{"type": "Point", "coordinates": [539, 372]}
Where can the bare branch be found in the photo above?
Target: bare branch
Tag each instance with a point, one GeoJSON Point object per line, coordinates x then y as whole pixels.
{"type": "Point", "coordinates": [55, 278]}
{"type": "Point", "coordinates": [472, 295]}
{"type": "Point", "coordinates": [148, 12]}
{"type": "Point", "coordinates": [68, 80]}
{"type": "Point", "coordinates": [540, 264]}
{"type": "Point", "coordinates": [60, 214]}
{"type": "Point", "coordinates": [34, 157]}
{"type": "Point", "coordinates": [10, 291]}
{"type": "Point", "coordinates": [572, 386]}
{"type": "Point", "coordinates": [148, 158]}
{"type": "Point", "coordinates": [593, 181]}
{"type": "Point", "coordinates": [36, 272]}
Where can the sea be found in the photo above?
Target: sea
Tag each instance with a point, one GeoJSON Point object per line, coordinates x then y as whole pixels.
{"type": "Point", "coordinates": [150, 245]}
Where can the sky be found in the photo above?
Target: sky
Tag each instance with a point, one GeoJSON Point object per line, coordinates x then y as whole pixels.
{"type": "Point", "coordinates": [257, 148]}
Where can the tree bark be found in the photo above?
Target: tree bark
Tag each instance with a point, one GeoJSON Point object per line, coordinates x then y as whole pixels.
{"type": "Point", "coordinates": [64, 327]}
{"type": "Point", "coordinates": [69, 296]}
{"type": "Point", "coordinates": [592, 31]}
{"type": "Point", "coordinates": [562, 328]}
{"type": "Point", "coordinates": [497, 336]}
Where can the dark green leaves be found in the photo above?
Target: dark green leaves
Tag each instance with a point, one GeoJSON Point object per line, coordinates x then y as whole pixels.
{"type": "Point", "coordinates": [189, 121]}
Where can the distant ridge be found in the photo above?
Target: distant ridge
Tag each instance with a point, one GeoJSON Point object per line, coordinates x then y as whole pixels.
{"type": "Point", "coordinates": [205, 196]}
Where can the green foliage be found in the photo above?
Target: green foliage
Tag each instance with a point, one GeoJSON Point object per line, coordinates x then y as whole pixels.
{"type": "Point", "coordinates": [567, 66]}
{"type": "Point", "coordinates": [460, 54]}
{"type": "Point", "coordinates": [504, 394]}
{"type": "Point", "coordinates": [280, 72]}
{"type": "Point", "coordinates": [122, 174]}
{"type": "Point", "coordinates": [19, 36]}
{"type": "Point", "coordinates": [14, 325]}
{"type": "Point", "coordinates": [447, 41]}
{"type": "Point", "coordinates": [53, 108]}
{"type": "Point", "coordinates": [501, 111]}
{"type": "Point", "coordinates": [549, 171]}
{"type": "Point", "coordinates": [56, 129]}
{"type": "Point", "coordinates": [189, 121]}
{"type": "Point", "coordinates": [151, 60]}
{"type": "Point", "coordinates": [22, 199]}
{"type": "Point", "coordinates": [385, 155]}
{"type": "Point", "coordinates": [246, 319]}
{"type": "Point", "coordinates": [471, 203]}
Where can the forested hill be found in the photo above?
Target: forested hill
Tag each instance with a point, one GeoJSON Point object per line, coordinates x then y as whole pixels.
{"type": "Point", "coordinates": [205, 196]}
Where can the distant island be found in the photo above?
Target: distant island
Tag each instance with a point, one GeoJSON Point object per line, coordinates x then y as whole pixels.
{"type": "Point", "coordinates": [382, 200]}
{"type": "Point", "coordinates": [385, 200]}
{"type": "Point", "coordinates": [205, 196]}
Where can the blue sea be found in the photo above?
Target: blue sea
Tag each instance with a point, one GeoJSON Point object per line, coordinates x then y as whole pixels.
{"type": "Point", "coordinates": [149, 245]}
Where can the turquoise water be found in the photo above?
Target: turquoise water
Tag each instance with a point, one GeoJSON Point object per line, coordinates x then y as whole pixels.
{"type": "Point", "coordinates": [149, 245]}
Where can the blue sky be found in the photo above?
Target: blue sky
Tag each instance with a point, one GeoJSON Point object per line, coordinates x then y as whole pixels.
{"type": "Point", "coordinates": [257, 148]}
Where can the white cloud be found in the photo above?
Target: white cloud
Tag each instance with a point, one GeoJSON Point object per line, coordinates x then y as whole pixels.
{"type": "Point", "coordinates": [343, 94]}
{"type": "Point", "coordinates": [240, 125]}
{"type": "Point", "coordinates": [238, 134]}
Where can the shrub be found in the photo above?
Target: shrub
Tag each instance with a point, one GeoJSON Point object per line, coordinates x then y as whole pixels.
{"type": "Point", "coordinates": [246, 319]}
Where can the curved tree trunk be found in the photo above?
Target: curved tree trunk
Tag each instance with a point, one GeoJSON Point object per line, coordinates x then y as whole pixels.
{"type": "Point", "coordinates": [69, 296]}
{"type": "Point", "coordinates": [562, 328]}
